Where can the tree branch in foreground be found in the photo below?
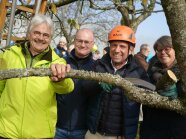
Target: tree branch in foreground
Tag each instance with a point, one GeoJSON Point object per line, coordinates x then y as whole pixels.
{"type": "Point", "coordinates": [168, 79]}
{"type": "Point", "coordinates": [137, 94]}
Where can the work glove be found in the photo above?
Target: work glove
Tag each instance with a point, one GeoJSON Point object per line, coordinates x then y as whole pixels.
{"type": "Point", "coordinates": [170, 92]}
{"type": "Point", "coordinates": [106, 87]}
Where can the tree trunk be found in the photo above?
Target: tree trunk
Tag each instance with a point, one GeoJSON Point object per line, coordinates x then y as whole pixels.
{"type": "Point", "coordinates": [176, 19]}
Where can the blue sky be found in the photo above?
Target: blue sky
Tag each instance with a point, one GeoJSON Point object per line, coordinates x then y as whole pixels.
{"type": "Point", "coordinates": [151, 29]}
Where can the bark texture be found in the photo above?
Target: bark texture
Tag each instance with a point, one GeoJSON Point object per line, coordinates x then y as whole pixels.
{"type": "Point", "coordinates": [176, 17]}
{"type": "Point", "coordinates": [140, 95]}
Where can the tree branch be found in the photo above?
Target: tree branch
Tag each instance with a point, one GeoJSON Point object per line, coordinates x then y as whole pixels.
{"type": "Point", "coordinates": [134, 93]}
{"type": "Point", "coordinates": [168, 79]}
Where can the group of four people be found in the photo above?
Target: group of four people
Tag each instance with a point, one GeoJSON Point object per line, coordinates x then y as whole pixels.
{"type": "Point", "coordinates": [91, 110]}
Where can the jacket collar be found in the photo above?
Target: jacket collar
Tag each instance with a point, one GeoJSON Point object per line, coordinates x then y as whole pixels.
{"type": "Point", "coordinates": [130, 65]}
{"type": "Point", "coordinates": [47, 54]}
{"type": "Point", "coordinates": [72, 55]}
{"type": "Point", "coordinates": [145, 57]}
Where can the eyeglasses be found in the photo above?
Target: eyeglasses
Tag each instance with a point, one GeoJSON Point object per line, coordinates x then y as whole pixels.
{"type": "Point", "coordinates": [78, 42]}
{"type": "Point", "coordinates": [38, 34]}
{"type": "Point", "coordinates": [166, 50]}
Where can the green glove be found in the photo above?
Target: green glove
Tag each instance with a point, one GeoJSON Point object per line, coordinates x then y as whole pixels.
{"type": "Point", "coordinates": [106, 87]}
{"type": "Point", "coordinates": [169, 92]}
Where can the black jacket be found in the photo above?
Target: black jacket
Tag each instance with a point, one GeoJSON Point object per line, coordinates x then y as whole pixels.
{"type": "Point", "coordinates": [114, 106]}
{"type": "Point", "coordinates": [72, 107]}
{"type": "Point", "coordinates": [161, 123]}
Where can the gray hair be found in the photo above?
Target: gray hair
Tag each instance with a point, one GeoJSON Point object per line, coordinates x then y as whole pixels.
{"type": "Point", "coordinates": [87, 31]}
{"type": "Point", "coordinates": [63, 39]}
{"type": "Point", "coordinates": [39, 19]}
{"type": "Point", "coordinates": [143, 46]}
{"type": "Point", "coordinates": [164, 41]}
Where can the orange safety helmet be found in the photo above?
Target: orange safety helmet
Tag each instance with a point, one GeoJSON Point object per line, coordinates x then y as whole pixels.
{"type": "Point", "coordinates": [122, 33]}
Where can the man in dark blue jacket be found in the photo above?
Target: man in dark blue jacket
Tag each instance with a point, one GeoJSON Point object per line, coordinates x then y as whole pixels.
{"type": "Point", "coordinates": [71, 122]}
{"type": "Point", "coordinates": [111, 115]}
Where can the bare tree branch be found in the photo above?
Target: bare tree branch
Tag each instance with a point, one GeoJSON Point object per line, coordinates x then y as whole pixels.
{"type": "Point", "coordinates": [140, 95]}
{"type": "Point", "coordinates": [167, 80]}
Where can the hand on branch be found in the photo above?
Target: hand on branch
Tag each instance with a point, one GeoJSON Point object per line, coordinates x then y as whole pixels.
{"type": "Point", "coordinates": [59, 71]}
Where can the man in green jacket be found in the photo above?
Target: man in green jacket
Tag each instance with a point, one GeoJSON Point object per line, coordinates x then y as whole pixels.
{"type": "Point", "coordinates": [28, 105]}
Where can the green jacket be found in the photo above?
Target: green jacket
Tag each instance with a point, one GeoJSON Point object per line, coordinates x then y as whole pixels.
{"type": "Point", "coordinates": [28, 105]}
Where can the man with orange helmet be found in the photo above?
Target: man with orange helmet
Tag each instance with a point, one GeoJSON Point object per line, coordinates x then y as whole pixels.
{"type": "Point", "coordinates": [127, 35]}
{"type": "Point", "coordinates": [111, 114]}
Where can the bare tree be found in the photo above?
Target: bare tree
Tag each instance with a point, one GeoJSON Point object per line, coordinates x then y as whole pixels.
{"type": "Point", "coordinates": [101, 16]}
